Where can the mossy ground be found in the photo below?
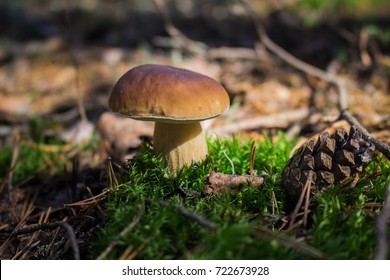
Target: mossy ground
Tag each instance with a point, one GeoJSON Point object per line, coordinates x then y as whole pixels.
{"type": "Point", "coordinates": [341, 224]}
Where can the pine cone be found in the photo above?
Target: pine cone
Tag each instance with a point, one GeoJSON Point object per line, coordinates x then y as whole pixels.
{"type": "Point", "coordinates": [328, 160]}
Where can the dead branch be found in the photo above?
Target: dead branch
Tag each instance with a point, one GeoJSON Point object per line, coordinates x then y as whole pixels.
{"type": "Point", "coordinates": [281, 120]}
{"type": "Point", "coordinates": [218, 182]}
{"type": "Point", "coordinates": [382, 223]}
{"type": "Point", "coordinates": [182, 40]}
{"type": "Point", "coordinates": [54, 225]}
{"type": "Point", "coordinates": [382, 147]}
{"type": "Point", "coordinates": [229, 53]}
{"type": "Point", "coordinates": [187, 213]}
{"type": "Point", "coordinates": [122, 234]}
{"type": "Point", "coordinates": [287, 241]}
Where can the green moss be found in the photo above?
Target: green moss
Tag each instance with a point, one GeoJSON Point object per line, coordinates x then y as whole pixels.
{"type": "Point", "coordinates": [344, 218]}
{"type": "Point", "coordinates": [246, 221]}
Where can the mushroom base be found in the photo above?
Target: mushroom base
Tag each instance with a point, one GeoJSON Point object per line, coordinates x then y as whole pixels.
{"type": "Point", "coordinates": [180, 144]}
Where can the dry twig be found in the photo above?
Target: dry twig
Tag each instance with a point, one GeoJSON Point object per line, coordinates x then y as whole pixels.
{"type": "Point", "coordinates": [63, 224]}
{"type": "Point", "coordinates": [281, 120]}
{"type": "Point", "coordinates": [187, 213]}
{"type": "Point", "coordinates": [122, 234]}
{"type": "Point", "coordinates": [286, 241]}
{"type": "Point", "coordinates": [183, 41]}
{"type": "Point", "coordinates": [382, 147]}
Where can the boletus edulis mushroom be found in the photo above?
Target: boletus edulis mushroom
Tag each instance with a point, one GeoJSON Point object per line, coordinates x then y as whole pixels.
{"type": "Point", "coordinates": [177, 100]}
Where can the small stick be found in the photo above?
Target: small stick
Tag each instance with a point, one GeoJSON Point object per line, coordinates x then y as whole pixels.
{"type": "Point", "coordinates": [184, 42]}
{"type": "Point", "coordinates": [282, 120]}
{"type": "Point", "coordinates": [65, 225]}
{"type": "Point", "coordinates": [122, 234]}
{"type": "Point", "coordinates": [187, 213]}
{"type": "Point", "coordinates": [382, 147]}
{"type": "Point", "coordinates": [286, 241]}
{"type": "Point", "coordinates": [218, 182]}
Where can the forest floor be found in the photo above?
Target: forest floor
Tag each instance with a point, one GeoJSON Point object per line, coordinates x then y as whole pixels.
{"type": "Point", "coordinates": [59, 142]}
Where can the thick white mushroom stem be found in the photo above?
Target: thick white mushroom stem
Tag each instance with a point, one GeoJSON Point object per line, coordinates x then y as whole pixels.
{"type": "Point", "coordinates": [180, 144]}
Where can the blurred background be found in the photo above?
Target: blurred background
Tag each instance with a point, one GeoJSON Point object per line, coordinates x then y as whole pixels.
{"type": "Point", "coordinates": [59, 59]}
{"type": "Point", "coordinates": [55, 53]}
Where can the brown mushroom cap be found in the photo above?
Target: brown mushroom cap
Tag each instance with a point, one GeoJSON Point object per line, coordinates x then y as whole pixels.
{"type": "Point", "coordinates": [168, 94]}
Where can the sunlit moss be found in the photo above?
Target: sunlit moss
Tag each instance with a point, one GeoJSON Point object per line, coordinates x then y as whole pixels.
{"type": "Point", "coordinates": [246, 221]}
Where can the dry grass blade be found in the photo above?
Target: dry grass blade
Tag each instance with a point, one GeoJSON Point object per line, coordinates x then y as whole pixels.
{"type": "Point", "coordinates": [252, 158]}
{"type": "Point", "coordinates": [26, 211]}
{"type": "Point", "coordinates": [305, 193]}
{"type": "Point", "coordinates": [111, 174]}
{"type": "Point", "coordinates": [113, 186]}
{"type": "Point", "coordinates": [130, 254]}
{"type": "Point", "coordinates": [95, 199]}
{"type": "Point", "coordinates": [307, 203]}
{"type": "Point", "coordinates": [41, 226]}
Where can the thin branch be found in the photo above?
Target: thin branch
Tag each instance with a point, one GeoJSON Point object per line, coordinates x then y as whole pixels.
{"type": "Point", "coordinates": [183, 41]}
{"type": "Point", "coordinates": [382, 224]}
{"type": "Point", "coordinates": [196, 218]}
{"type": "Point", "coordinates": [63, 224]}
{"type": "Point", "coordinates": [187, 213]}
{"type": "Point", "coordinates": [287, 241]}
{"type": "Point", "coordinates": [281, 120]}
{"type": "Point", "coordinates": [122, 234]}
{"type": "Point", "coordinates": [382, 147]}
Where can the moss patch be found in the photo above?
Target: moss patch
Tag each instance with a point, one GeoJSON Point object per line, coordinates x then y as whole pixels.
{"type": "Point", "coordinates": [246, 222]}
